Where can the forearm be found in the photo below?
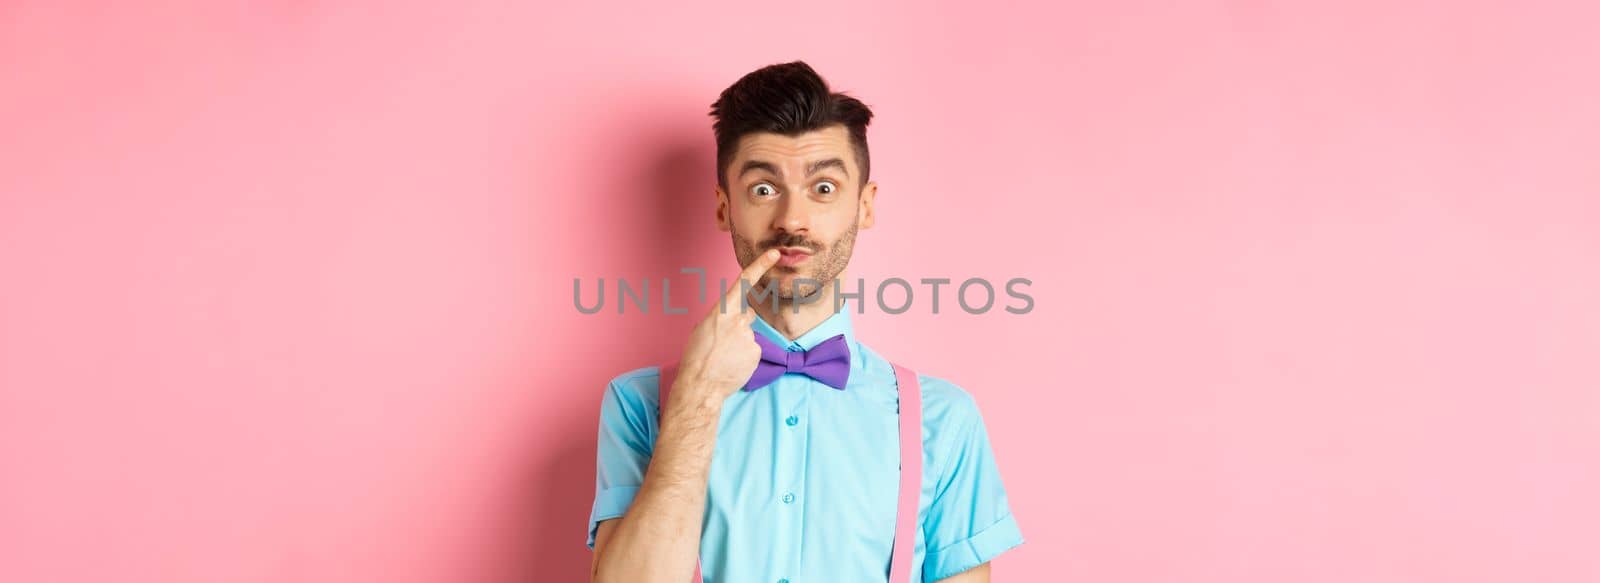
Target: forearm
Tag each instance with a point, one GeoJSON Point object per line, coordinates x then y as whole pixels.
{"type": "Point", "coordinates": [978, 574]}
{"type": "Point", "coordinates": [658, 538]}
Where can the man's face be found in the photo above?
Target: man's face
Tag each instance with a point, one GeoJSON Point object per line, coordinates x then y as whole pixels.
{"type": "Point", "coordinates": [801, 195]}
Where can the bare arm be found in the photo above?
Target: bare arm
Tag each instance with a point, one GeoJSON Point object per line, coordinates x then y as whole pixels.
{"type": "Point", "coordinates": [978, 574]}
{"type": "Point", "coordinates": [658, 539]}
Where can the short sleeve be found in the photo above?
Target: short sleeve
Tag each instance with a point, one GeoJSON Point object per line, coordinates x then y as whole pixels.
{"type": "Point", "coordinates": [626, 440]}
{"type": "Point", "coordinates": [969, 521]}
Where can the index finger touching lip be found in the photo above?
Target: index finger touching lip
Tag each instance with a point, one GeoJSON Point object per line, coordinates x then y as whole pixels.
{"type": "Point", "coordinates": [750, 275]}
{"type": "Point", "coordinates": [753, 272]}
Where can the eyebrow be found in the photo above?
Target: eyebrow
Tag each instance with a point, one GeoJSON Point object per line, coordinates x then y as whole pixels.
{"type": "Point", "coordinates": [770, 168]}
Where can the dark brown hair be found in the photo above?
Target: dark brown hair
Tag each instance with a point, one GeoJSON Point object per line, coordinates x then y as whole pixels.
{"type": "Point", "coordinates": [788, 99]}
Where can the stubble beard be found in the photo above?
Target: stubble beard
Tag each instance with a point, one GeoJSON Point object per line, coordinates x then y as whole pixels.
{"type": "Point", "coordinates": [825, 265]}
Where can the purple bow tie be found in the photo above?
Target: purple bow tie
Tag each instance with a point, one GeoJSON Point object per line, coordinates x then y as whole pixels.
{"type": "Point", "coordinates": [828, 362]}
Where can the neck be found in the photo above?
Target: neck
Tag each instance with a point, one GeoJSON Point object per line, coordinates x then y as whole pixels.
{"type": "Point", "coordinates": [792, 318]}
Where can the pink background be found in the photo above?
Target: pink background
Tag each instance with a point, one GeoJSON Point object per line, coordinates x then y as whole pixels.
{"type": "Point", "coordinates": [288, 285]}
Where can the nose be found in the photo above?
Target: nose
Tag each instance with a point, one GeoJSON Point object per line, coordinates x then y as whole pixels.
{"type": "Point", "coordinates": [794, 215]}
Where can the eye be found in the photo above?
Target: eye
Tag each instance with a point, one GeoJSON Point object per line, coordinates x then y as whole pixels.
{"type": "Point", "coordinates": [826, 187]}
{"type": "Point", "coordinates": [763, 190]}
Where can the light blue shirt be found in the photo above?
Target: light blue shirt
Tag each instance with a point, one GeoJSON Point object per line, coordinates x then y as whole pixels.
{"type": "Point", "coordinates": [804, 477]}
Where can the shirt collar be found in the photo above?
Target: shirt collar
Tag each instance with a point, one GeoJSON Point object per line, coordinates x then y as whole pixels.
{"type": "Point", "coordinates": [838, 323]}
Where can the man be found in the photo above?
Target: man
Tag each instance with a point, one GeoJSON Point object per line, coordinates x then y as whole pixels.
{"type": "Point", "coordinates": [787, 478]}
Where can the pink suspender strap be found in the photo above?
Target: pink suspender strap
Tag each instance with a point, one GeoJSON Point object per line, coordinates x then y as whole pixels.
{"type": "Point", "coordinates": [905, 523]}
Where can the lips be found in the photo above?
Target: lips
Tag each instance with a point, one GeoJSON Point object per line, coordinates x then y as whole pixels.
{"type": "Point", "coordinates": [791, 256]}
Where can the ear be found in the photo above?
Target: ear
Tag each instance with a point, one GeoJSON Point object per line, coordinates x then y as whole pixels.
{"type": "Point", "coordinates": [868, 194]}
{"type": "Point", "coordinates": [723, 216]}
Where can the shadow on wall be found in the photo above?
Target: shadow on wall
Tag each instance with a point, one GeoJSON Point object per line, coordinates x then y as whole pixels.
{"type": "Point", "coordinates": [658, 208]}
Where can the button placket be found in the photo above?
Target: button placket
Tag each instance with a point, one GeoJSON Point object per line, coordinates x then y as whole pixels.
{"type": "Point", "coordinates": [792, 442]}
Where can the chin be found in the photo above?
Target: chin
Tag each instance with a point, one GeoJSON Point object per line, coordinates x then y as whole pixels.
{"type": "Point", "coordinates": [785, 283]}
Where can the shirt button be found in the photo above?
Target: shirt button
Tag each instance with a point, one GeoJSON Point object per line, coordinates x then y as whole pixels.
{"type": "Point", "coordinates": [792, 420]}
{"type": "Point", "coordinates": [787, 498]}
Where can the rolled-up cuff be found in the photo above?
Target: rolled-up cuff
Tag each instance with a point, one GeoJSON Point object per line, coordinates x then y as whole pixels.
{"type": "Point", "coordinates": [977, 550]}
{"type": "Point", "coordinates": [609, 503]}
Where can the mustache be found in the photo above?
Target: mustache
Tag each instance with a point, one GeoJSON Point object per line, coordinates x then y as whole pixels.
{"type": "Point", "coordinates": [790, 240]}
